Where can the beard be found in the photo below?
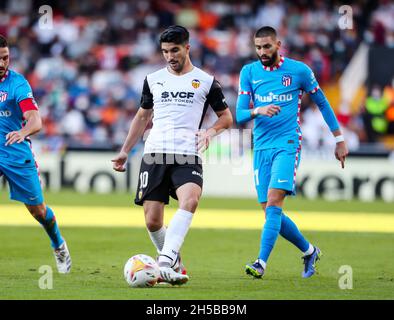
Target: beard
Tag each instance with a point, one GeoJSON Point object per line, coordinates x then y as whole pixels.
{"type": "Point", "coordinates": [178, 66]}
{"type": "Point", "coordinates": [271, 61]}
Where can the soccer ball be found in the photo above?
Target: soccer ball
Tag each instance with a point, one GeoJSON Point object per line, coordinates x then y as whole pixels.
{"type": "Point", "coordinates": [141, 271]}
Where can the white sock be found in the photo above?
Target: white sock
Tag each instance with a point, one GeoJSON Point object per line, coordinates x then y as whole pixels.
{"type": "Point", "coordinates": [309, 251]}
{"type": "Point", "coordinates": [263, 264]}
{"type": "Point", "coordinates": [175, 235]}
{"type": "Point", "coordinates": [158, 238]}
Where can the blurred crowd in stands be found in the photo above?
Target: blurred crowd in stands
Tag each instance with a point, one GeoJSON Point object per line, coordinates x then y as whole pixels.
{"type": "Point", "coordinates": [87, 70]}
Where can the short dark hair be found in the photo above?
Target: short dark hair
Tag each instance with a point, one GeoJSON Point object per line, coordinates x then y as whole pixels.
{"type": "Point", "coordinates": [3, 42]}
{"type": "Point", "coordinates": [265, 31]}
{"type": "Point", "coordinates": [175, 34]}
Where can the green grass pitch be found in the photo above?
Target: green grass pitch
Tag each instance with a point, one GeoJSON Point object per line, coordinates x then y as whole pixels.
{"type": "Point", "coordinates": [215, 259]}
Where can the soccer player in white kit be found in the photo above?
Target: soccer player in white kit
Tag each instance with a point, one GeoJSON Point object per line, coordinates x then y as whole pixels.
{"type": "Point", "coordinates": [176, 98]}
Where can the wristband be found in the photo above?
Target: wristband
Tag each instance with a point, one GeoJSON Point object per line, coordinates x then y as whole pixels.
{"type": "Point", "coordinates": [339, 138]}
{"type": "Point", "coordinates": [255, 112]}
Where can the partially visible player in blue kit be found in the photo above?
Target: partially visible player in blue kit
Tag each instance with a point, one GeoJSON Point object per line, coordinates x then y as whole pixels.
{"type": "Point", "coordinates": [19, 118]}
{"type": "Point", "coordinates": [276, 84]}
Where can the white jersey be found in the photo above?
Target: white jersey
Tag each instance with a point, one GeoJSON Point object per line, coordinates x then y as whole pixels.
{"type": "Point", "coordinates": [179, 105]}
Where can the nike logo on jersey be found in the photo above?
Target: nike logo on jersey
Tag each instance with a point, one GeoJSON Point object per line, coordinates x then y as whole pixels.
{"type": "Point", "coordinates": [282, 181]}
{"type": "Point", "coordinates": [256, 81]}
{"type": "Point", "coordinates": [32, 198]}
{"type": "Point", "coordinates": [161, 83]}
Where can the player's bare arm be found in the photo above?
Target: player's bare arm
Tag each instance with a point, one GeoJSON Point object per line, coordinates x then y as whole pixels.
{"type": "Point", "coordinates": [224, 121]}
{"type": "Point", "coordinates": [136, 131]}
{"type": "Point", "coordinates": [33, 125]}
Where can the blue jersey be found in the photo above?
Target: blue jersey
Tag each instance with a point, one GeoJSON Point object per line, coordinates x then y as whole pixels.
{"type": "Point", "coordinates": [281, 85]}
{"type": "Point", "coordinates": [14, 90]}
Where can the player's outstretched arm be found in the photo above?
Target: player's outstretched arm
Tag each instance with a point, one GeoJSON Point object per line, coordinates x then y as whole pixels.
{"type": "Point", "coordinates": [137, 128]}
{"type": "Point", "coordinates": [32, 126]}
{"type": "Point", "coordinates": [309, 84]}
{"type": "Point", "coordinates": [341, 150]}
{"type": "Point", "coordinates": [224, 121]}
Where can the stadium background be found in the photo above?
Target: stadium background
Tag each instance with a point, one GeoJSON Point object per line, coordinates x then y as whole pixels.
{"type": "Point", "coordinates": [87, 70]}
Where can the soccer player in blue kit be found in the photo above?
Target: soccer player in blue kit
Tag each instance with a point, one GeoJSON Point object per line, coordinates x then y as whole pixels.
{"type": "Point", "coordinates": [276, 84]}
{"type": "Point", "coordinates": [19, 118]}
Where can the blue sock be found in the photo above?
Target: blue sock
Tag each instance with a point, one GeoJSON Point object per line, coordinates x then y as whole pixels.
{"type": "Point", "coordinates": [270, 231]}
{"type": "Point", "coordinates": [290, 232]}
{"type": "Point", "coordinates": [50, 226]}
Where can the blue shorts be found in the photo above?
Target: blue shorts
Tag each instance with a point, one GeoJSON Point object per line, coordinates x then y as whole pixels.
{"type": "Point", "coordinates": [24, 183]}
{"type": "Point", "coordinates": [275, 169]}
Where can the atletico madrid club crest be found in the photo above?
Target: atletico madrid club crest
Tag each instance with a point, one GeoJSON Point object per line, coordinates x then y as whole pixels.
{"type": "Point", "coordinates": [3, 96]}
{"type": "Point", "coordinates": [286, 80]}
{"type": "Point", "coordinates": [195, 83]}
